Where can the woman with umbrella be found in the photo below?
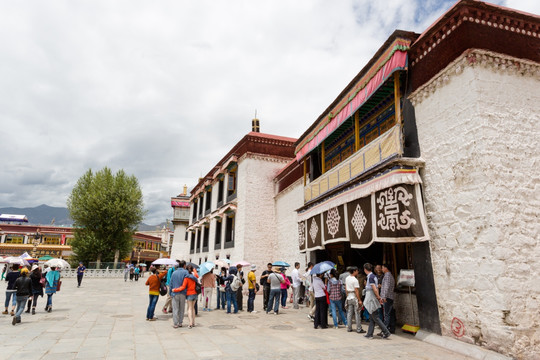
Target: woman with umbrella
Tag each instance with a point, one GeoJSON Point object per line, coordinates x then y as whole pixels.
{"type": "Point", "coordinates": [51, 284]}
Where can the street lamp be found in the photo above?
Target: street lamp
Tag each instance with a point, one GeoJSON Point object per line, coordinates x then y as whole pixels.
{"type": "Point", "coordinates": [139, 248]}
{"type": "Point", "coordinates": [36, 242]}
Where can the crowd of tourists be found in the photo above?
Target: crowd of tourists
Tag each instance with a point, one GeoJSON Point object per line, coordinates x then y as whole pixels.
{"type": "Point", "coordinates": [340, 295]}
{"type": "Point", "coordinates": [25, 284]}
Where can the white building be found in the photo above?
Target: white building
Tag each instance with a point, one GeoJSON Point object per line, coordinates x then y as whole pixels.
{"type": "Point", "coordinates": [232, 209]}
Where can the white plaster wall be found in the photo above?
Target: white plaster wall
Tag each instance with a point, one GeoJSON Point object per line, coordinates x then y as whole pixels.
{"type": "Point", "coordinates": [479, 134]}
{"type": "Point", "coordinates": [286, 248]}
{"type": "Point", "coordinates": [255, 236]}
{"type": "Point", "coordinates": [180, 248]}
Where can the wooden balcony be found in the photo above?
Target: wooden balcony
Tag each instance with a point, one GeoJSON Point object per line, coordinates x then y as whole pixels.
{"type": "Point", "coordinates": [384, 147]}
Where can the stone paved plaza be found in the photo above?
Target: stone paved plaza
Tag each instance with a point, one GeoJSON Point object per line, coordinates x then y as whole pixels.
{"type": "Point", "coordinates": [105, 319]}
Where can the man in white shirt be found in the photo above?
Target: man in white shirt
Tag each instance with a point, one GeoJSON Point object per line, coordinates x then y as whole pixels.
{"type": "Point", "coordinates": [296, 282]}
{"type": "Point", "coordinates": [354, 301]}
{"type": "Point", "coordinates": [309, 284]}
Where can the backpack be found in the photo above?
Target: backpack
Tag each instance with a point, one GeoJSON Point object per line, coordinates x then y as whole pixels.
{"type": "Point", "coordinates": [236, 283]}
{"type": "Point", "coordinates": [198, 287]}
{"type": "Point", "coordinates": [162, 286]}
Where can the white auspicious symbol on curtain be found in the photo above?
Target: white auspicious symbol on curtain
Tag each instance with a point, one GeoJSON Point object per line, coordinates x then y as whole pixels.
{"type": "Point", "coordinates": [301, 233]}
{"type": "Point", "coordinates": [390, 217]}
{"type": "Point", "coordinates": [332, 221]}
{"type": "Point", "coordinates": [313, 230]}
{"type": "Point", "coordinates": [358, 221]}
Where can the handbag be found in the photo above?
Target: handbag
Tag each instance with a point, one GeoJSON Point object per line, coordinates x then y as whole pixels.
{"type": "Point", "coordinates": [42, 281]}
{"type": "Point", "coordinates": [327, 297]}
{"type": "Point", "coordinates": [257, 287]}
{"type": "Point", "coordinates": [58, 285]}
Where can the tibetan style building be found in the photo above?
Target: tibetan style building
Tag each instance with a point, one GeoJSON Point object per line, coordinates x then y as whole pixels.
{"type": "Point", "coordinates": [427, 160]}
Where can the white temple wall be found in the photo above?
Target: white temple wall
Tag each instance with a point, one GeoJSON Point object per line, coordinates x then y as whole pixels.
{"type": "Point", "coordinates": [255, 236]}
{"type": "Point", "coordinates": [286, 248]}
{"type": "Point", "coordinates": [479, 129]}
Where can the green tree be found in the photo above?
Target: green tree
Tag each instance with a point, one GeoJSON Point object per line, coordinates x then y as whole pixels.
{"type": "Point", "coordinates": [106, 209]}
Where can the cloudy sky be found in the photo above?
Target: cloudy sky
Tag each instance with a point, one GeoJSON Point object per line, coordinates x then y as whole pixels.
{"type": "Point", "coordinates": [163, 89]}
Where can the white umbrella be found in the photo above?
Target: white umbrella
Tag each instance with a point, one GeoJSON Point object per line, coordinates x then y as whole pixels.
{"type": "Point", "coordinates": [164, 261]}
{"type": "Point", "coordinates": [57, 263]}
{"type": "Point", "coordinates": [16, 260]}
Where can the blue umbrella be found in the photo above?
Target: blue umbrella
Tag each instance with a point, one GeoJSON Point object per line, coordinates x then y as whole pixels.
{"type": "Point", "coordinates": [322, 267]}
{"type": "Point", "coordinates": [280, 263]}
{"type": "Point", "coordinates": [205, 268]}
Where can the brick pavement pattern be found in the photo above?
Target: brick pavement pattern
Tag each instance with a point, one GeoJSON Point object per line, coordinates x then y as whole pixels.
{"type": "Point", "coordinates": [105, 319]}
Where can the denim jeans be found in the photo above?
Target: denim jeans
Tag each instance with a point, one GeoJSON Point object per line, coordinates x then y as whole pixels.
{"type": "Point", "coordinates": [389, 315]}
{"type": "Point", "coordinates": [337, 304]}
{"type": "Point", "coordinates": [49, 300]}
{"type": "Point", "coordinates": [9, 294]}
{"type": "Point", "coordinates": [274, 296]}
{"type": "Point", "coordinates": [374, 318]}
{"type": "Point", "coordinates": [21, 302]}
{"type": "Point", "coordinates": [353, 308]}
{"type": "Point", "coordinates": [251, 300]}
{"type": "Point", "coordinates": [221, 298]}
{"type": "Point", "coordinates": [231, 298]}
{"type": "Point", "coordinates": [283, 297]}
{"type": "Point", "coordinates": [151, 306]}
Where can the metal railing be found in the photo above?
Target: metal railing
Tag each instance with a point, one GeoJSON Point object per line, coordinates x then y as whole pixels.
{"type": "Point", "coordinates": [95, 273]}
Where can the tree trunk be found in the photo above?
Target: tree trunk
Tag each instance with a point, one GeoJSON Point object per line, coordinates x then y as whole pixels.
{"type": "Point", "coordinates": [116, 256]}
{"type": "Point", "coordinates": [98, 261]}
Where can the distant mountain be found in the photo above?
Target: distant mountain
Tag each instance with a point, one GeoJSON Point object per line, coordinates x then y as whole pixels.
{"type": "Point", "coordinates": [44, 215]}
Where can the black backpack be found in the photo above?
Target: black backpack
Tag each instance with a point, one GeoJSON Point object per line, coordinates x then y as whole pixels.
{"type": "Point", "coordinates": [162, 286]}
{"type": "Point", "coordinates": [198, 287]}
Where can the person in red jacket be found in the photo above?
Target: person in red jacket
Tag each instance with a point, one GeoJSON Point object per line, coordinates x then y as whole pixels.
{"type": "Point", "coordinates": [191, 294]}
{"type": "Point", "coordinates": [154, 282]}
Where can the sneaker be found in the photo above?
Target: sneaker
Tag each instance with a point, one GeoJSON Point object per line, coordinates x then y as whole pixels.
{"type": "Point", "coordinates": [254, 312]}
{"type": "Point", "coordinates": [361, 331]}
{"type": "Point", "coordinates": [14, 321]}
{"type": "Point", "coordinates": [386, 336]}
{"type": "Point", "coordinates": [284, 307]}
{"type": "Point", "coordinates": [175, 326]}
{"type": "Point", "coordinates": [369, 337]}
{"type": "Point", "coordinates": [152, 319]}
{"type": "Point", "coordinates": [208, 309]}
{"type": "Point", "coordinates": [50, 309]}
{"type": "Point", "coordinates": [275, 313]}
{"type": "Point", "coordinates": [349, 330]}
{"type": "Point", "coordinates": [335, 327]}
{"type": "Point", "coordinates": [33, 311]}
{"type": "Point", "coordinates": [164, 311]}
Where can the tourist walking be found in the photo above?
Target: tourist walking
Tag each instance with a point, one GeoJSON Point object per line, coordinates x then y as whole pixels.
{"type": "Point", "coordinates": [4, 271]}
{"type": "Point", "coordinates": [179, 298]}
{"type": "Point", "coordinates": [353, 300]}
{"type": "Point", "coordinates": [11, 277]}
{"type": "Point", "coordinates": [266, 284]}
{"type": "Point", "coordinates": [372, 303]}
{"type": "Point", "coordinates": [167, 308]}
{"type": "Point", "coordinates": [296, 284]}
{"type": "Point", "coordinates": [189, 285]}
{"type": "Point", "coordinates": [252, 289]}
{"type": "Point", "coordinates": [126, 272]}
{"type": "Point", "coordinates": [284, 286]}
{"type": "Point", "coordinates": [232, 284]}
{"type": "Point", "coordinates": [208, 283]}
{"type": "Point", "coordinates": [51, 284]}
{"type": "Point", "coordinates": [37, 288]}
{"type": "Point", "coordinates": [308, 276]}
{"type": "Point", "coordinates": [334, 291]}
{"type": "Point", "coordinates": [137, 271]}
{"type": "Point", "coordinates": [239, 294]}
{"type": "Point", "coordinates": [154, 283]}
{"type": "Point", "coordinates": [275, 280]}
{"type": "Point", "coordinates": [387, 295]}
{"type": "Point", "coordinates": [23, 287]}
{"type": "Point", "coordinates": [321, 306]}
{"type": "Point", "coordinates": [80, 273]}
{"type": "Point", "coordinates": [221, 293]}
